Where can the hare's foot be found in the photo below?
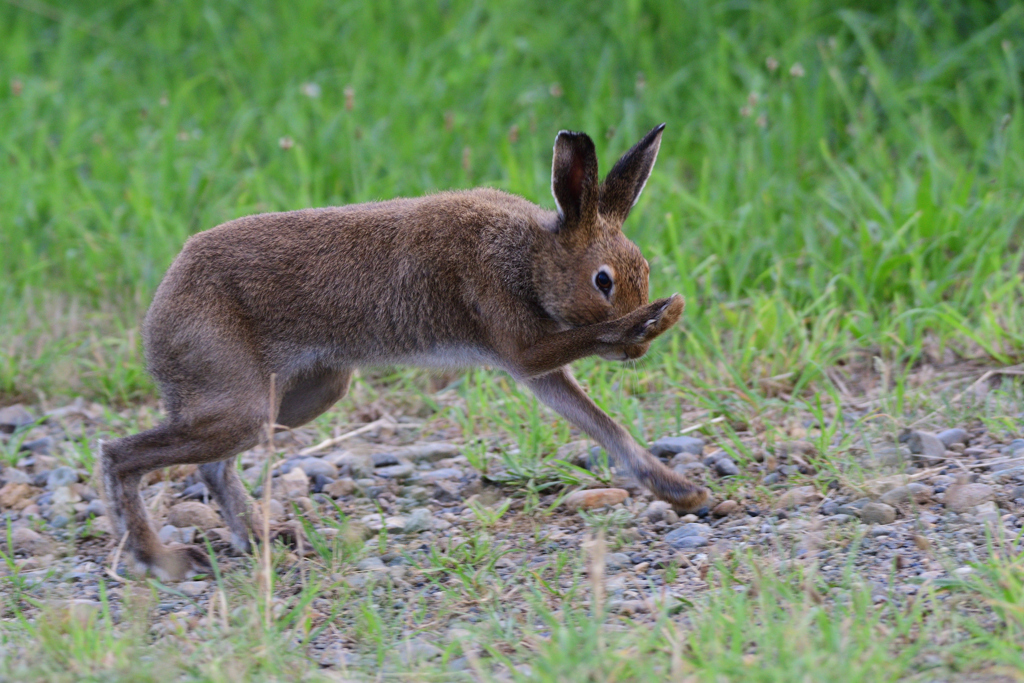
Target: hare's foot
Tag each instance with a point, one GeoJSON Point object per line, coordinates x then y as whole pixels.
{"type": "Point", "coordinates": [174, 562]}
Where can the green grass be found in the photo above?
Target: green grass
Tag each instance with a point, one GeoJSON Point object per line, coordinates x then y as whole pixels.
{"type": "Point", "coordinates": [840, 183]}
{"type": "Point", "coordinates": [866, 192]}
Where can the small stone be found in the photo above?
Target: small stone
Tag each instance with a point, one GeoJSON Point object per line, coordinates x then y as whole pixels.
{"type": "Point", "coordinates": [905, 495]}
{"type": "Point", "coordinates": [419, 520]}
{"type": "Point", "coordinates": [64, 497]}
{"type": "Point", "coordinates": [432, 451]}
{"type": "Point", "coordinates": [96, 508]}
{"type": "Point", "coordinates": [960, 497]}
{"type": "Point", "coordinates": [193, 588]}
{"type": "Point", "coordinates": [16, 496]}
{"type": "Point", "coordinates": [686, 530]}
{"type": "Point", "coordinates": [359, 465]}
{"type": "Point", "coordinates": [726, 467]}
{"type": "Point", "coordinates": [313, 467]}
{"type": "Point", "coordinates": [671, 517]}
{"type": "Point", "coordinates": [670, 445]}
{"type": "Point", "coordinates": [276, 509]}
{"type": "Point", "coordinates": [725, 508]}
{"type": "Point", "coordinates": [948, 437]}
{"type": "Point", "coordinates": [401, 471]}
{"type": "Point", "coordinates": [924, 444]}
{"type": "Point", "coordinates": [685, 468]}
{"type": "Point", "coordinates": [196, 491]}
{"type": "Point", "coordinates": [801, 495]}
{"type": "Point", "coordinates": [13, 417]}
{"type": "Point", "coordinates": [987, 512]}
{"type": "Point", "coordinates": [797, 447]}
{"type": "Point", "coordinates": [616, 561]}
{"type": "Point", "coordinates": [878, 513]}
{"type": "Point", "coordinates": [340, 487]}
{"type": "Point", "coordinates": [1004, 476]}
{"type": "Point", "coordinates": [371, 564]}
{"type": "Point", "coordinates": [62, 476]}
{"type": "Point", "coordinates": [594, 498]}
{"type": "Point", "coordinates": [839, 518]}
{"type": "Point", "coordinates": [417, 650]}
{"type": "Point", "coordinates": [13, 475]}
{"type": "Point", "coordinates": [891, 456]}
{"type": "Point", "coordinates": [773, 478]}
{"type": "Point", "coordinates": [963, 572]}
{"type": "Point", "coordinates": [689, 543]}
{"type": "Point", "coordinates": [42, 446]}
{"type": "Point", "coordinates": [192, 513]}
{"type": "Point", "coordinates": [27, 541]}
{"type": "Point", "coordinates": [295, 484]}
{"type": "Point", "coordinates": [384, 459]}
{"type": "Point", "coordinates": [60, 521]}
{"type": "Point", "coordinates": [168, 534]}
{"type": "Point", "coordinates": [438, 475]}
{"type": "Point", "coordinates": [1006, 465]}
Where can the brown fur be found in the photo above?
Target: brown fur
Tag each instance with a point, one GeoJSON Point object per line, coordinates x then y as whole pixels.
{"type": "Point", "coordinates": [451, 279]}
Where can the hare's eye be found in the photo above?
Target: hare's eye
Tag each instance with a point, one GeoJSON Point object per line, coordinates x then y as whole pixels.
{"type": "Point", "coordinates": [603, 281]}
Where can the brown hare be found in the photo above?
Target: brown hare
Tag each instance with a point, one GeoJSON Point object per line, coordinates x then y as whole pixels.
{"type": "Point", "coordinates": [451, 279]}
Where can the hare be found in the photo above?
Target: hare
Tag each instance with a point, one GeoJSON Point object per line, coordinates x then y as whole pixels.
{"type": "Point", "coordinates": [451, 279]}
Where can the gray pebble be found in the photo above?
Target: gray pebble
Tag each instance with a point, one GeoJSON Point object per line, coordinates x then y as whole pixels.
{"type": "Point", "coordinates": [829, 508]}
{"type": "Point", "coordinates": [370, 564]}
{"type": "Point", "coordinates": [948, 437]}
{"type": "Point", "coordinates": [924, 444]}
{"type": "Point", "coordinates": [689, 542]}
{"type": "Point", "coordinates": [62, 476]}
{"type": "Point", "coordinates": [41, 446]}
{"type": "Point", "coordinates": [840, 518]}
{"type": "Point", "coordinates": [617, 561]}
{"type": "Point", "coordinates": [13, 417]}
{"type": "Point", "coordinates": [686, 530]}
{"type": "Point", "coordinates": [726, 467]}
{"type": "Point", "coordinates": [59, 521]}
{"type": "Point", "coordinates": [96, 508]}
{"type": "Point", "coordinates": [443, 473]}
{"type": "Point", "coordinates": [396, 471]}
{"type": "Point", "coordinates": [195, 492]}
{"type": "Point", "coordinates": [670, 445]}
{"type": "Point", "coordinates": [1004, 476]}
{"type": "Point", "coordinates": [773, 478]}
{"type": "Point", "coordinates": [419, 520]}
{"type": "Point", "coordinates": [15, 476]}
{"type": "Point", "coordinates": [384, 459]}
{"type": "Point", "coordinates": [878, 513]}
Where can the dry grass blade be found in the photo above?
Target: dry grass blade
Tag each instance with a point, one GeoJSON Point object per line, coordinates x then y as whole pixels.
{"type": "Point", "coordinates": [384, 421]}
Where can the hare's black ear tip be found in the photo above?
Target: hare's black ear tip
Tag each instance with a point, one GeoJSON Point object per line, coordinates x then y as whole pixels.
{"type": "Point", "coordinates": [571, 135]}
{"type": "Point", "coordinates": [660, 127]}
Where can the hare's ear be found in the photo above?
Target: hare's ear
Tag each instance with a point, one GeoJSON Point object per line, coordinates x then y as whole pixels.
{"type": "Point", "coordinates": [574, 179]}
{"type": "Point", "coordinates": [626, 180]}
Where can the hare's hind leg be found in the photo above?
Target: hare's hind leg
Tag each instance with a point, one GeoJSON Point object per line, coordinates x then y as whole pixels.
{"type": "Point", "coordinates": [201, 439]}
{"type": "Point", "coordinates": [307, 397]}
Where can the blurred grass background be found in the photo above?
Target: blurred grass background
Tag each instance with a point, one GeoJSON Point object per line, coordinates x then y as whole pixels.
{"type": "Point", "coordinates": [834, 176]}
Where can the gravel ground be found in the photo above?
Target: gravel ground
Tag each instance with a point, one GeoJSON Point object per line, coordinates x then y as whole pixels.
{"type": "Point", "coordinates": [927, 506]}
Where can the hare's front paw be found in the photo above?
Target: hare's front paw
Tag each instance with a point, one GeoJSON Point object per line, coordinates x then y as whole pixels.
{"type": "Point", "coordinates": [648, 322]}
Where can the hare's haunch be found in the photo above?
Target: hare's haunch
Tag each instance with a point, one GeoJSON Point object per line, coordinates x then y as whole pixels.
{"type": "Point", "coordinates": [451, 279]}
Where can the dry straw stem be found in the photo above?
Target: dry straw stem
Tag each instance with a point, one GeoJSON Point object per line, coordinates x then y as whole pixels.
{"type": "Point", "coordinates": [387, 420]}
{"type": "Point", "coordinates": [266, 585]}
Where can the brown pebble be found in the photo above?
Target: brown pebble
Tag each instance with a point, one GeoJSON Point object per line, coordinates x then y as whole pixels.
{"type": "Point", "coordinates": [725, 508]}
{"type": "Point", "coordinates": [193, 513]}
{"type": "Point", "coordinates": [16, 496]}
{"type": "Point", "coordinates": [594, 498]}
